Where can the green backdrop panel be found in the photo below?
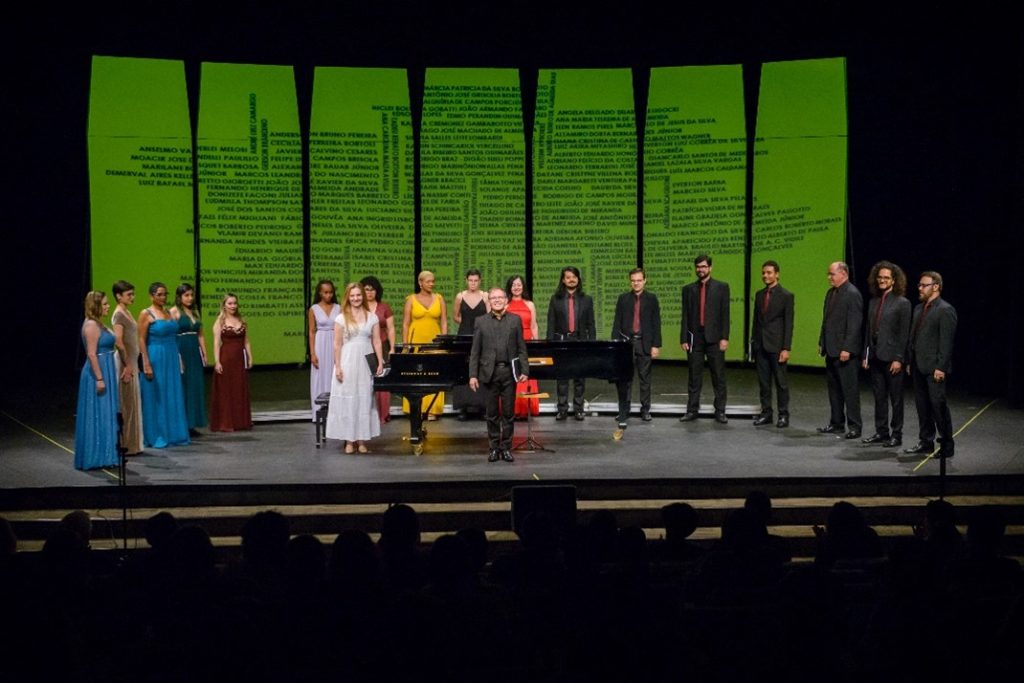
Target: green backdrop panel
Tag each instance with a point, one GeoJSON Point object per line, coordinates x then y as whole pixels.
{"type": "Point", "coordinates": [800, 177]}
{"type": "Point", "coordinates": [472, 164]}
{"type": "Point", "coordinates": [695, 190]}
{"type": "Point", "coordinates": [361, 179]}
{"type": "Point", "coordinates": [140, 175]}
{"type": "Point", "coordinates": [250, 203]}
{"type": "Point", "coordinates": [585, 185]}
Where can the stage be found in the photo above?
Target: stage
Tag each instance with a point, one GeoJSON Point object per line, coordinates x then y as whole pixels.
{"type": "Point", "coordinates": [37, 433]}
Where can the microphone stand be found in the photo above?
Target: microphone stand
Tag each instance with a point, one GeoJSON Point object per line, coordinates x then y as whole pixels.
{"type": "Point", "coordinates": [122, 482]}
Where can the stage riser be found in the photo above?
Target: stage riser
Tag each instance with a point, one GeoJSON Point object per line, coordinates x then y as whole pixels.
{"type": "Point", "coordinates": [92, 498]}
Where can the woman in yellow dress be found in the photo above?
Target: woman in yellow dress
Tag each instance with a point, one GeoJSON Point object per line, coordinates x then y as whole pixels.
{"type": "Point", "coordinates": [425, 316]}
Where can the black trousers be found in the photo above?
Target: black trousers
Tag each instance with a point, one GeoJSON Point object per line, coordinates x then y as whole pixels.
{"type": "Point", "coordinates": [699, 351]}
{"type": "Point", "coordinates": [932, 411]}
{"type": "Point", "coordinates": [843, 393]}
{"type": "Point", "coordinates": [578, 387]}
{"type": "Point", "coordinates": [501, 406]}
{"type": "Point", "coordinates": [770, 370]}
{"type": "Point", "coordinates": [642, 361]}
{"type": "Point", "coordinates": [888, 390]}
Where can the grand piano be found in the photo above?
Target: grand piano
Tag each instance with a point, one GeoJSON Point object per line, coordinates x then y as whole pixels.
{"type": "Point", "coordinates": [418, 370]}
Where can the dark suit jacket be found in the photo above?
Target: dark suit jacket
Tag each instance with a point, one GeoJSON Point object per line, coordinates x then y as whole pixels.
{"type": "Point", "coordinates": [558, 316]}
{"type": "Point", "coordinates": [842, 322]}
{"type": "Point", "coordinates": [933, 343]}
{"type": "Point", "coordinates": [650, 319]}
{"type": "Point", "coordinates": [496, 341]}
{"type": "Point", "coordinates": [773, 329]}
{"type": "Point", "coordinates": [716, 312]}
{"type": "Point", "coordinates": [893, 329]}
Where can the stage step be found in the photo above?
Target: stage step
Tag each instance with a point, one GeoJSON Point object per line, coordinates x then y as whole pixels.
{"type": "Point", "coordinates": [794, 518]}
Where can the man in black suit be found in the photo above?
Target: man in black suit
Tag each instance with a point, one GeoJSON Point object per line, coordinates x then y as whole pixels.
{"type": "Point", "coordinates": [638, 320]}
{"type": "Point", "coordinates": [497, 342]}
{"type": "Point", "coordinates": [931, 360]}
{"type": "Point", "coordinates": [840, 342]}
{"type": "Point", "coordinates": [770, 342]}
{"type": "Point", "coordinates": [570, 316]}
{"type": "Point", "coordinates": [888, 329]}
{"type": "Point", "coordinates": [704, 334]}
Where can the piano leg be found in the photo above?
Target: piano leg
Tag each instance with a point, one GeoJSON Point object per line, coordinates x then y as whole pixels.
{"type": "Point", "coordinates": [416, 432]}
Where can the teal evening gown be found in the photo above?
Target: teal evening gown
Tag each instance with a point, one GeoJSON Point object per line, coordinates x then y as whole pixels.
{"type": "Point", "coordinates": [192, 379]}
{"type": "Point", "coordinates": [163, 398]}
{"type": "Point", "coordinates": [96, 417]}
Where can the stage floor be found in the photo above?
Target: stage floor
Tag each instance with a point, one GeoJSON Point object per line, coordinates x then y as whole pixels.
{"type": "Point", "coordinates": [37, 439]}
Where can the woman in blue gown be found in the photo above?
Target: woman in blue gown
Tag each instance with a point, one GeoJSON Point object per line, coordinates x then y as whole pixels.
{"type": "Point", "coordinates": [192, 349]}
{"type": "Point", "coordinates": [96, 417]}
{"type": "Point", "coordinates": [163, 398]}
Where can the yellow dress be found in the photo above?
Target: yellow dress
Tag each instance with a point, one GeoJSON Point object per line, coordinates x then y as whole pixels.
{"type": "Point", "coordinates": [424, 325]}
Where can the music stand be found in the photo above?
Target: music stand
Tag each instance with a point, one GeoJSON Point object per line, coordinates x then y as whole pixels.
{"type": "Point", "coordinates": [529, 444]}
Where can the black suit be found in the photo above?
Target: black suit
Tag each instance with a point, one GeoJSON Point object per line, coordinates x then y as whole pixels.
{"type": "Point", "coordinates": [842, 322]}
{"type": "Point", "coordinates": [495, 343]}
{"type": "Point", "coordinates": [931, 349]}
{"type": "Point", "coordinates": [772, 333]}
{"type": "Point", "coordinates": [704, 338]}
{"type": "Point", "coordinates": [558, 328]}
{"type": "Point", "coordinates": [888, 331]}
{"type": "Point", "coordinates": [646, 337]}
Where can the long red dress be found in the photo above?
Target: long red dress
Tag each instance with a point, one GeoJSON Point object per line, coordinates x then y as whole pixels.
{"type": "Point", "coordinates": [530, 386]}
{"type": "Point", "coordinates": [229, 409]}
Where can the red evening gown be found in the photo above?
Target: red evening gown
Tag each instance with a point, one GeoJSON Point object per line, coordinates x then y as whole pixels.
{"type": "Point", "coordinates": [519, 307]}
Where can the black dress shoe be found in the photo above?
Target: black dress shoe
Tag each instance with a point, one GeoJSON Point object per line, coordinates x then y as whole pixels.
{"type": "Point", "coordinates": [721, 419]}
{"type": "Point", "coordinates": [783, 422]}
{"type": "Point", "coordinates": [579, 416]}
{"type": "Point", "coordinates": [646, 417]}
{"type": "Point", "coordinates": [944, 453]}
{"type": "Point", "coordinates": [561, 415]}
{"type": "Point", "coordinates": [893, 442]}
{"type": "Point", "coordinates": [507, 456]}
{"type": "Point", "coordinates": [875, 438]}
{"type": "Point", "coordinates": [922, 448]}
{"type": "Point", "coordinates": [493, 456]}
{"type": "Point", "coordinates": [829, 429]}
{"type": "Point", "coordinates": [688, 417]}
{"type": "Point", "coordinates": [852, 434]}
{"type": "Point", "coordinates": [762, 419]}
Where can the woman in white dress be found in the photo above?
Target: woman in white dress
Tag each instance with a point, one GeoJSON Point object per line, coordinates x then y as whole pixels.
{"type": "Point", "coordinates": [352, 416]}
{"type": "Point", "coordinates": [322, 314]}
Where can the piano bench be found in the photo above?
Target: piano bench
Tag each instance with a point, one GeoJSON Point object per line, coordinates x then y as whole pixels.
{"type": "Point", "coordinates": [323, 402]}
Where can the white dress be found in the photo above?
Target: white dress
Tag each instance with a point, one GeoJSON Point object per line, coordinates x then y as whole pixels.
{"type": "Point", "coordinates": [353, 412]}
{"type": "Point", "coordinates": [320, 378]}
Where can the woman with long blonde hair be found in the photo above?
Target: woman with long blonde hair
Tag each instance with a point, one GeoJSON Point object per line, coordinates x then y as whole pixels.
{"type": "Point", "coordinates": [352, 415]}
{"type": "Point", "coordinates": [232, 354]}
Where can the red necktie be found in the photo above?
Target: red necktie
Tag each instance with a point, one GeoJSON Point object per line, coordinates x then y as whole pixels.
{"type": "Point", "coordinates": [703, 299]}
{"type": "Point", "coordinates": [572, 314]}
{"type": "Point", "coordinates": [917, 328]}
{"type": "Point", "coordinates": [878, 313]}
{"type": "Point", "coordinates": [636, 315]}
{"type": "Point", "coordinates": [767, 298]}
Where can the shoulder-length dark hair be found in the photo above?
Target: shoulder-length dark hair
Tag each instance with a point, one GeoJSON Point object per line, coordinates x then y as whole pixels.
{"type": "Point", "coordinates": [371, 281]}
{"type": "Point", "coordinates": [508, 287]}
{"type": "Point", "coordinates": [899, 278]}
{"type": "Point", "coordinates": [561, 282]}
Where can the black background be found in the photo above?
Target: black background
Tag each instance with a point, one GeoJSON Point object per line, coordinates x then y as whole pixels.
{"type": "Point", "coordinates": [935, 101]}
